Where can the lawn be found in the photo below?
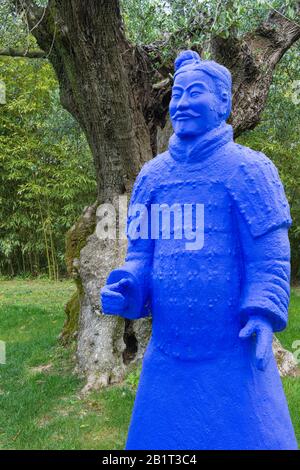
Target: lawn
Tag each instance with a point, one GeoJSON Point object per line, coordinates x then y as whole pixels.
{"type": "Point", "coordinates": [40, 402]}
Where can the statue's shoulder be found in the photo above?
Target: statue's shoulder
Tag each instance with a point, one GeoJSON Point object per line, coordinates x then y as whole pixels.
{"type": "Point", "coordinates": [253, 181]}
{"type": "Point", "coordinates": [157, 163]}
{"type": "Point", "coordinates": [149, 176]}
{"type": "Point", "coordinates": [245, 159]}
{"type": "Point", "coordinates": [154, 167]}
{"type": "Point", "coordinates": [250, 168]}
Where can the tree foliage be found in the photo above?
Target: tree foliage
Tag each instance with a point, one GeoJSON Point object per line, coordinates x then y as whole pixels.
{"type": "Point", "coordinates": [147, 21]}
{"type": "Point", "coordinates": [46, 172]}
{"type": "Point", "coordinates": [278, 137]}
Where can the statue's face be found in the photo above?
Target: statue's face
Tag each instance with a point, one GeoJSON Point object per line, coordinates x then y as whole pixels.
{"type": "Point", "coordinates": [195, 107]}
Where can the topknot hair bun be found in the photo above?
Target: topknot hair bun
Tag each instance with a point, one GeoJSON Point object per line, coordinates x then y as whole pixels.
{"type": "Point", "coordinates": [186, 58]}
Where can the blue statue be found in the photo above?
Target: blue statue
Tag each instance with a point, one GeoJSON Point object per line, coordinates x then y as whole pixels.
{"type": "Point", "coordinates": [209, 379]}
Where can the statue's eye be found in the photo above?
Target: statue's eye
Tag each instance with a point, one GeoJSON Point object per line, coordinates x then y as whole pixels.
{"type": "Point", "coordinates": [195, 93]}
{"type": "Point", "coordinates": [176, 96]}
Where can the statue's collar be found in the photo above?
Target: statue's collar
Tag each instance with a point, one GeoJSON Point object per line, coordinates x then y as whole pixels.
{"type": "Point", "coordinates": [205, 146]}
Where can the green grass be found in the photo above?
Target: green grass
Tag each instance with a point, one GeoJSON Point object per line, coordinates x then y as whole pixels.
{"type": "Point", "coordinates": [287, 338]}
{"type": "Point", "coordinates": [292, 332]}
{"type": "Point", "coordinates": [41, 407]}
{"type": "Point", "coordinates": [40, 402]}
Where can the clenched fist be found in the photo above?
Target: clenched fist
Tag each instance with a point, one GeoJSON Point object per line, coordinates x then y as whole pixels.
{"type": "Point", "coordinates": [114, 297]}
{"type": "Point", "coordinates": [262, 328]}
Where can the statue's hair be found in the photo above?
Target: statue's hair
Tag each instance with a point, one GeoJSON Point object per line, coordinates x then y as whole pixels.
{"type": "Point", "coordinates": [185, 58]}
{"type": "Point", "coordinates": [190, 60]}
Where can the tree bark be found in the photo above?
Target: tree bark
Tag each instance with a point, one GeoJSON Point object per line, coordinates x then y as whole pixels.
{"type": "Point", "coordinates": [120, 99]}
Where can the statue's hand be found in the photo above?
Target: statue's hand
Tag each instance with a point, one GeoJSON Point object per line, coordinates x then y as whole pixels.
{"type": "Point", "coordinates": [264, 336]}
{"type": "Point", "coordinates": [113, 297]}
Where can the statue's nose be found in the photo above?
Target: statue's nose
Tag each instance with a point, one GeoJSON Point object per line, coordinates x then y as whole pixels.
{"type": "Point", "coordinates": [184, 102]}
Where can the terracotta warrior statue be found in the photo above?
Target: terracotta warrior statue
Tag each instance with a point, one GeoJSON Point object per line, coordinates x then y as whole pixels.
{"type": "Point", "coordinates": [209, 259]}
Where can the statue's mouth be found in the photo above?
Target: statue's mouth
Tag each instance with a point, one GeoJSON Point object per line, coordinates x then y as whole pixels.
{"type": "Point", "coordinates": [183, 118]}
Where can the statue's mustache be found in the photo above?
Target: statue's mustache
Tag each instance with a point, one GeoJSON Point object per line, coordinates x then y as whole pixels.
{"type": "Point", "coordinates": [187, 114]}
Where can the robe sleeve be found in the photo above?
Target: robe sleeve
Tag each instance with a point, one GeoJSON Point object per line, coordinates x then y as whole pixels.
{"type": "Point", "coordinates": [263, 220]}
{"type": "Point", "coordinates": [138, 261]}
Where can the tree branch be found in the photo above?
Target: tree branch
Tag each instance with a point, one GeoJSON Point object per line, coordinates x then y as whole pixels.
{"type": "Point", "coordinates": [34, 12]}
{"type": "Point", "coordinates": [251, 59]}
{"type": "Point", "coordinates": [38, 54]}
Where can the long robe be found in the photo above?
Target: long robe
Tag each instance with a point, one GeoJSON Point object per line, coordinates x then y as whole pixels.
{"type": "Point", "coordinates": [199, 386]}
